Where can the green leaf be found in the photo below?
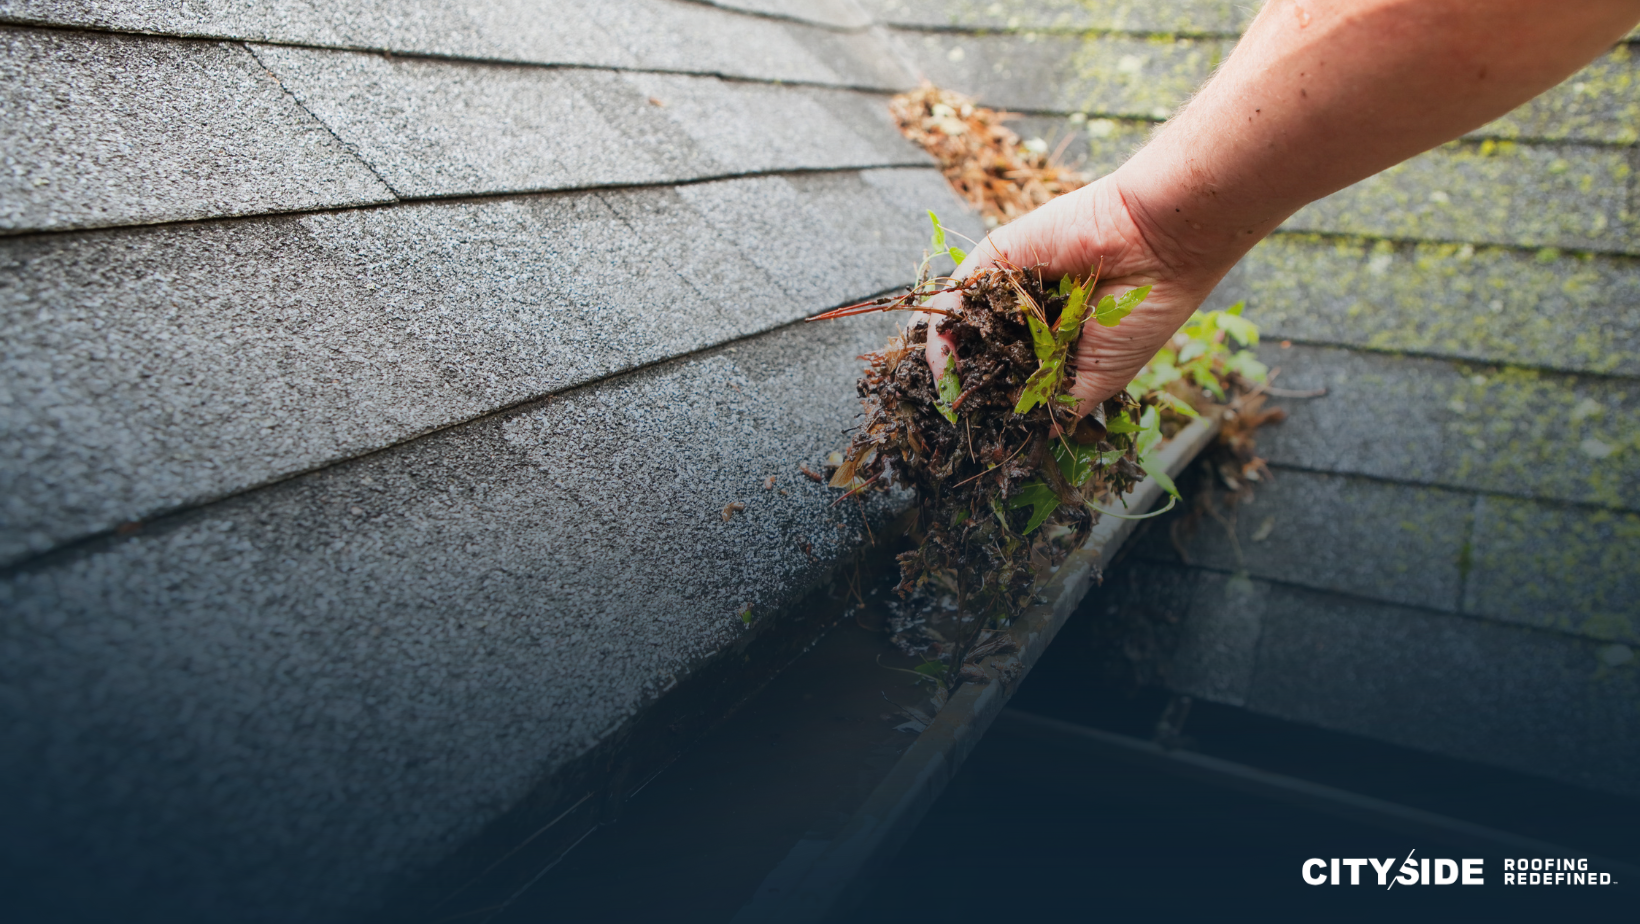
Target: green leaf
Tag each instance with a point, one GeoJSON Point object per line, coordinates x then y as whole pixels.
{"type": "Point", "coordinates": [1150, 436]}
{"type": "Point", "coordinates": [1042, 384]}
{"type": "Point", "coordinates": [950, 383]}
{"type": "Point", "coordinates": [950, 387]}
{"type": "Point", "coordinates": [1040, 498]}
{"type": "Point", "coordinates": [959, 518]}
{"type": "Point", "coordinates": [1131, 299]}
{"type": "Point", "coordinates": [1070, 321]}
{"type": "Point", "coordinates": [1111, 311]}
{"type": "Point", "coordinates": [1105, 308]}
{"type": "Point", "coordinates": [746, 616]}
{"type": "Point", "coordinates": [1202, 374]}
{"type": "Point", "coordinates": [1042, 338]}
{"type": "Point", "coordinates": [1158, 375]}
{"type": "Point", "coordinates": [933, 670]}
{"type": "Point", "coordinates": [1236, 308]}
{"type": "Point", "coordinates": [1244, 331]}
{"type": "Point", "coordinates": [938, 241]}
{"type": "Point", "coordinates": [1150, 431]}
{"type": "Point", "coordinates": [958, 255]}
{"type": "Point", "coordinates": [1247, 365]}
{"type": "Point", "coordinates": [1175, 404]}
{"type": "Point", "coordinates": [1065, 284]}
{"type": "Point", "coordinates": [1157, 472]}
{"type": "Point", "coordinates": [1121, 423]}
{"type": "Point", "coordinates": [1078, 463]}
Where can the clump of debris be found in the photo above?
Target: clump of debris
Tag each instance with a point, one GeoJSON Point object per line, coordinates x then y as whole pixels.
{"type": "Point", "coordinates": [984, 160]}
{"type": "Point", "coordinates": [1007, 480]}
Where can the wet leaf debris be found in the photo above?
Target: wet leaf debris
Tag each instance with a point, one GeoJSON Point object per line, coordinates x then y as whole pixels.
{"type": "Point", "coordinates": [985, 161]}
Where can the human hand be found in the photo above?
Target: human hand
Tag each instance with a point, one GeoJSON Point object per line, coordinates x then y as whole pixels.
{"type": "Point", "coordinates": [1071, 236]}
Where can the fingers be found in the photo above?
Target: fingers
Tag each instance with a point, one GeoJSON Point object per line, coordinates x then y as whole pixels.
{"type": "Point", "coordinates": [940, 347]}
{"type": "Point", "coordinates": [1108, 358]}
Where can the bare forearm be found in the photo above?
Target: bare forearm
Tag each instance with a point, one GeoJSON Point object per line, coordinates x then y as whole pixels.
{"type": "Point", "coordinates": [1322, 93]}
{"type": "Point", "coordinates": [1318, 95]}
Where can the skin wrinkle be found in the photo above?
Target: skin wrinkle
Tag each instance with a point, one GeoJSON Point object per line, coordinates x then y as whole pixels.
{"type": "Point", "coordinates": [1337, 91]}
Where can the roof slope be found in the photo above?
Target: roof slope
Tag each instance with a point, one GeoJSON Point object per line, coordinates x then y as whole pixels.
{"type": "Point", "coordinates": [374, 386]}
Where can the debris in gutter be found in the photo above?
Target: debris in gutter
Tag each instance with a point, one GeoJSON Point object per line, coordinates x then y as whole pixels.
{"type": "Point", "coordinates": [732, 509]}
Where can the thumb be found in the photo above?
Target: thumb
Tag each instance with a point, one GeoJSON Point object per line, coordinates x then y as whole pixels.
{"type": "Point", "coordinates": [941, 349]}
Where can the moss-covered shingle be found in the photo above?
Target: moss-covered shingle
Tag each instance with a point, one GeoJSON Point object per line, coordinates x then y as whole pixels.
{"type": "Point", "coordinates": [1568, 568]}
{"type": "Point", "coordinates": [1570, 311]}
{"type": "Point", "coordinates": [1490, 428]}
{"type": "Point", "coordinates": [1101, 75]}
{"type": "Point", "coordinates": [1567, 196]}
{"type": "Point", "coordinates": [1193, 17]}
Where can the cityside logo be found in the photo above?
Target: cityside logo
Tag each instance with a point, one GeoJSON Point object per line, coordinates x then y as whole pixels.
{"type": "Point", "coordinates": [1423, 871]}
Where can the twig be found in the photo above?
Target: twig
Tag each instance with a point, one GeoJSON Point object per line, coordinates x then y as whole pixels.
{"type": "Point", "coordinates": [857, 490]}
{"type": "Point", "coordinates": [998, 465]}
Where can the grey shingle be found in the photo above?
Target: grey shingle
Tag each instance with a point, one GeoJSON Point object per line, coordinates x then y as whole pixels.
{"type": "Point", "coordinates": [1532, 701]}
{"type": "Point", "coordinates": [1094, 146]}
{"type": "Point", "coordinates": [160, 368]}
{"type": "Point", "coordinates": [671, 35]}
{"type": "Point", "coordinates": [1566, 196]}
{"type": "Point", "coordinates": [745, 127]}
{"type": "Point", "coordinates": [1104, 75]}
{"type": "Point", "coordinates": [339, 678]}
{"type": "Point", "coordinates": [1192, 17]}
{"type": "Point", "coordinates": [506, 30]}
{"type": "Point", "coordinates": [1599, 103]}
{"type": "Point", "coordinates": [1217, 651]}
{"type": "Point", "coordinates": [1502, 429]}
{"type": "Point", "coordinates": [1556, 310]}
{"type": "Point", "coordinates": [109, 130]}
{"type": "Point", "coordinates": [662, 34]}
{"type": "Point", "coordinates": [748, 297]}
{"type": "Point", "coordinates": [840, 14]}
{"type": "Point", "coordinates": [434, 128]}
{"type": "Point", "coordinates": [803, 232]}
{"type": "Point", "coordinates": [1569, 568]}
{"type": "Point", "coordinates": [1390, 542]}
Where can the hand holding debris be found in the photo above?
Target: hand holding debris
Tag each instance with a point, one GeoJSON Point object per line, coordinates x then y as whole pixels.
{"type": "Point", "coordinates": [1315, 97]}
{"type": "Point", "coordinates": [1085, 234]}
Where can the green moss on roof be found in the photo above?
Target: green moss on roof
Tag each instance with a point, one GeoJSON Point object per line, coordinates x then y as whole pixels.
{"type": "Point", "coordinates": [1114, 75]}
{"type": "Point", "coordinates": [1198, 17]}
{"type": "Point", "coordinates": [1513, 430]}
{"type": "Point", "coordinates": [1482, 428]}
{"type": "Point", "coordinates": [1569, 568]}
{"type": "Point", "coordinates": [1600, 103]}
{"type": "Point", "coordinates": [1123, 76]}
{"type": "Point", "coordinates": [1570, 311]}
{"type": "Point", "coordinates": [1564, 196]}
